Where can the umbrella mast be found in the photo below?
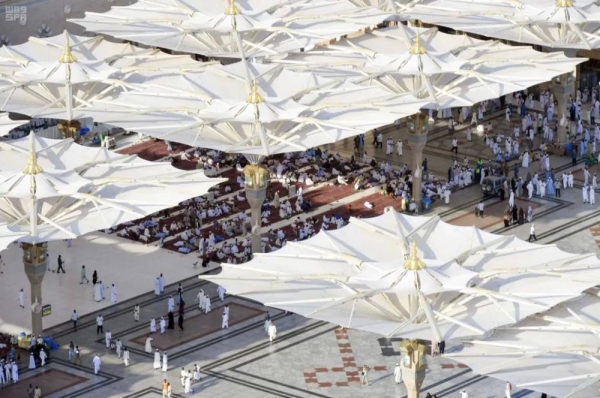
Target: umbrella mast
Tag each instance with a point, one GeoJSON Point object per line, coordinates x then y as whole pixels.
{"type": "Point", "coordinates": [34, 254]}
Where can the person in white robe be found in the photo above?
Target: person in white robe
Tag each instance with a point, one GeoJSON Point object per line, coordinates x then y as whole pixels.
{"type": "Point", "coordinates": [161, 283]}
{"type": "Point", "coordinates": [136, 313]}
{"type": "Point", "coordinates": [525, 162]}
{"type": "Point", "coordinates": [31, 361]}
{"type": "Point", "coordinates": [272, 332]}
{"type": "Point", "coordinates": [565, 179]}
{"type": "Point", "coordinates": [397, 374]}
{"type": "Point", "coordinates": [119, 348]}
{"type": "Point", "coordinates": [182, 377]}
{"type": "Point", "coordinates": [107, 338]}
{"type": "Point", "coordinates": [206, 304]}
{"type": "Point", "coordinates": [15, 372]}
{"type": "Point", "coordinates": [267, 323]}
{"type": "Point", "coordinates": [171, 304]}
{"type": "Point", "coordinates": [511, 199]}
{"type": "Point", "coordinates": [156, 359]}
{"type": "Point", "coordinates": [389, 146]}
{"type": "Point", "coordinates": [188, 383]}
{"type": "Point", "coordinates": [221, 292]}
{"type": "Point", "coordinates": [43, 357]}
{"type": "Point", "coordinates": [126, 356]}
{"type": "Point", "coordinates": [570, 180]}
{"type": "Point", "coordinates": [156, 287]}
{"type": "Point", "coordinates": [225, 322]}
{"type": "Point", "coordinates": [113, 294]}
{"type": "Point", "coordinates": [542, 189]}
{"type": "Point", "coordinates": [163, 325]}
{"type": "Point", "coordinates": [200, 300]}
{"type": "Point", "coordinates": [508, 390]}
{"type": "Point", "coordinates": [165, 365]}
{"type": "Point", "coordinates": [152, 325]}
{"type": "Point", "coordinates": [101, 289]}
{"type": "Point", "coordinates": [22, 298]}
{"type": "Point", "coordinates": [97, 362]}
{"type": "Point", "coordinates": [530, 189]}
{"type": "Point", "coordinates": [399, 147]}
{"type": "Point", "coordinates": [594, 181]}
{"type": "Point", "coordinates": [197, 374]}
{"type": "Point", "coordinates": [584, 194]}
{"type": "Point", "coordinates": [591, 195]}
{"type": "Point", "coordinates": [447, 196]}
{"type": "Point", "coordinates": [97, 292]}
{"type": "Point", "coordinates": [586, 176]}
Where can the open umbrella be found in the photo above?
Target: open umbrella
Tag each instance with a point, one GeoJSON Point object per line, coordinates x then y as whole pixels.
{"type": "Point", "coordinates": [555, 352]}
{"type": "Point", "coordinates": [401, 276]}
{"type": "Point", "coordinates": [551, 23]}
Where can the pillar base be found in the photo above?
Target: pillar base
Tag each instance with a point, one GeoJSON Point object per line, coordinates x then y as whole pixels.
{"type": "Point", "coordinates": [256, 180]}
{"type": "Point", "coordinates": [35, 264]}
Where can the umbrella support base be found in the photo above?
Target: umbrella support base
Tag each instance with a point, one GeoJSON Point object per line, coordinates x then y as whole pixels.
{"type": "Point", "coordinates": [413, 366]}
{"type": "Point", "coordinates": [256, 177]}
{"type": "Point", "coordinates": [35, 263]}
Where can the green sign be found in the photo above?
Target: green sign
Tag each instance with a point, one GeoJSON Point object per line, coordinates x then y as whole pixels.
{"type": "Point", "coordinates": [46, 309]}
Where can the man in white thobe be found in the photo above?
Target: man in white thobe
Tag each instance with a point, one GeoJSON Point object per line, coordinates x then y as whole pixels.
{"type": "Point", "coordinates": [171, 304]}
{"type": "Point", "coordinates": [107, 337]}
{"type": "Point", "coordinates": [511, 199]}
{"type": "Point", "coordinates": [592, 195]}
{"type": "Point", "coordinates": [163, 325]}
{"type": "Point", "coordinates": [101, 289]}
{"type": "Point", "coordinates": [156, 359]}
{"type": "Point", "coordinates": [584, 192]}
{"type": "Point", "coordinates": [97, 362]}
{"type": "Point", "coordinates": [206, 304]}
{"type": "Point", "coordinates": [97, 292]}
{"type": "Point", "coordinates": [398, 374]}
{"type": "Point", "coordinates": [221, 292]}
{"type": "Point", "coordinates": [21, 298]}
{"type": "Point", "coordinates": [164, 362]}
{"type": "Point", "coordinates": [508, 390]}
{"type": "Point", "coordinates": [113, 294]}
{"type": "Point", "coordinates": [200, 300]}
{"type": "Point", "coordinates": [157, 287]}
{"type": "Point", "coordinates": [152, 325]}
{"type": "Point", "coordinates": [126, 356]}
{"type": "Point", "coordinates": [15, 372]}
{"type": "Point", "coordinates": [225, 323]}
{"type": "Point", "coordinates": [272, 332]}
{"type": "Point", "coordinates": [43, 357]}
{"type": "Point", "coordinates": [463, 394]}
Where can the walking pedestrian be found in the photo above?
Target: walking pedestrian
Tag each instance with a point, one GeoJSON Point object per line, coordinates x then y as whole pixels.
{"type": "Point", "coordinates": [74, 319]}
{"type": "Point", "coordinates": [83, 277]}
{"type": "Point", "coordinates": [60, 265]}
{"type": "Point", "coordinates": [364, 375]}
{"type": "Point", "coordinates": [442, 347]}
{"type": "Point", "coordinates": [454, 145]}
{"type": "Point", "coordinates": [99, 324]}
{"type": "Point", "coordinates": [532, 233]}
{"type": "Point", "coordinates": [22, 298]}
{"type": "Point", "coordinates": [77, 360]}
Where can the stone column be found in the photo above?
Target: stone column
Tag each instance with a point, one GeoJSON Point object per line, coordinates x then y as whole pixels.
{"type": "Point", "coordinates": [562, 88]}
{"type": "Point", "coordinates": [34, 260]}
{"type": "Point", "coordinates": [413, 366]}
{"type": "Point", "coordinates": [256, 177]}
{"type": "Point", "coordinates": [417, 138]}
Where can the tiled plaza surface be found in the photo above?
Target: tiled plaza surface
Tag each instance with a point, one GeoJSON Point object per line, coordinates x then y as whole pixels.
{"type": "Point", "coordinates": [308, 358]}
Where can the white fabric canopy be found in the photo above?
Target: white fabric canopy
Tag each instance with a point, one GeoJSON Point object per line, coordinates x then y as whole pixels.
{"type": "Point", "coordinates": [251, 28]}
{"type": "Point", "coordinates": [61, 77]}
{"type": "Point", "coordinates": [56, 189]}
{"type": "Point", "coordinates": [555, 352]}
{"type": "Point", "coordinates": [561, 24]}
{"type": "Point", "coordinates": [357, 277]}
{"type": "Point", "coordinates": [446, 70]}
{"type": "Point", "coordinates": [280, 111]}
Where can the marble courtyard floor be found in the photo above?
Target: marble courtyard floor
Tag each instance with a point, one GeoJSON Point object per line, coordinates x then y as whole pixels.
{"type": "Point", "coordinates": [308, 359]}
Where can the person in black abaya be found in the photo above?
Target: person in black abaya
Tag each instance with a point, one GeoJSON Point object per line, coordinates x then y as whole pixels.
{"type": "Point", "coordinates": [180, 321]}
{"type": "Point", "coordinates": [171, 324]}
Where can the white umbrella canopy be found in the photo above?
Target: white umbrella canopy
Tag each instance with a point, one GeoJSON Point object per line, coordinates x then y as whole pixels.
{"type": "Point", "coordinates": [447, 70]}
{"type": "Point", "coordinates": [555, 352]}
{"type": "Point", "coordinates": [441, 289]}
{"type": "Point", "coordinates": [59, 190]}
{"type": "Point", "coordinates": [61, 76]}
{"type": "Point", "coordinates": [283, 111]}
{"type": "Point", "coordinates": [7, 236]}
{"type": "Point", "coordinates": [233, 29]}
{"type": "Point", "coordinates": [7, 124]}
{"type": "Point", "coordinates": [560, 24]}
